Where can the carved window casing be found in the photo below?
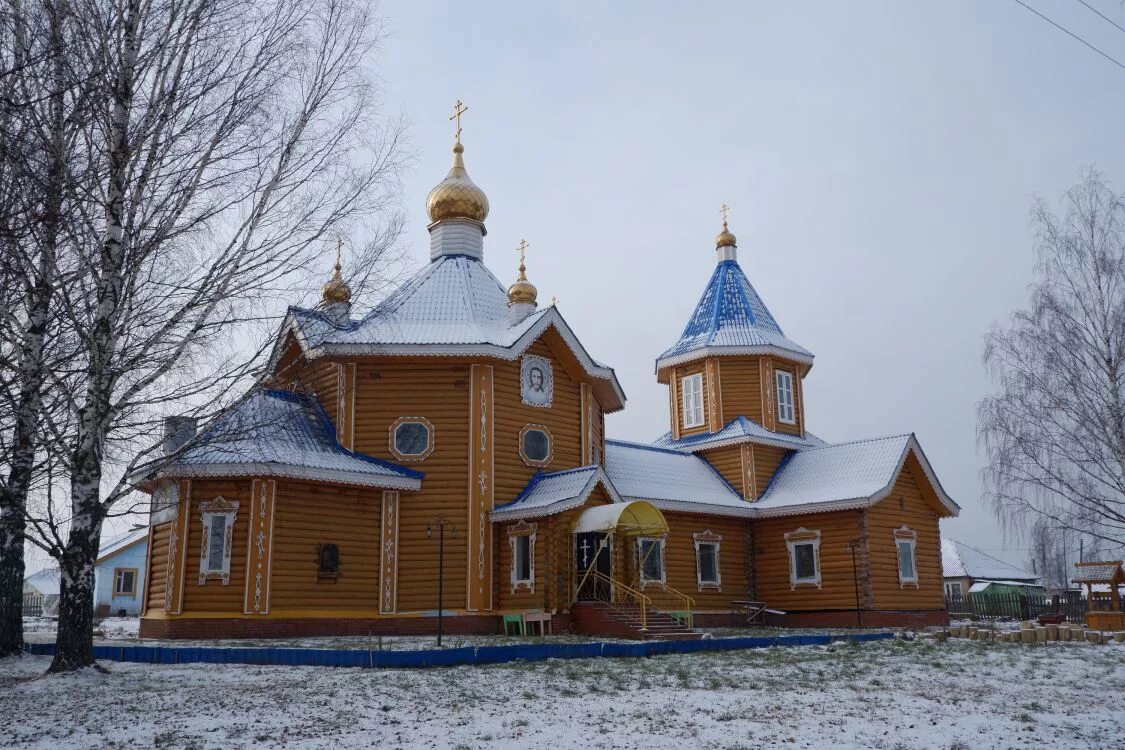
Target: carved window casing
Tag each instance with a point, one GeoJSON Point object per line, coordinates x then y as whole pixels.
{"type": "Point", "coordinates": [411, 438]}
{"type": "Point", "coordinates": [536, 445]}
{"type": "Point", "coordinates": [521, 538]}
{"type": "Point", "coordinates": [804, 558]}
{"type": "Point", "coordinates": [786, 404]}
{"type": "Point", "coordinates": [218, 536]}
{"type": "Point", "coordinates": [906, 547]}
{"type": "Point", "coordinates": [707, 574]}
{"type": "Point", "coordinates": [650, 561]}
{"type": "Point", "coordinates": [691, 396]}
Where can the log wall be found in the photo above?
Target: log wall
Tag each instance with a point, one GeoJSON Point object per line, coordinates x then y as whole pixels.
{"type": "Point", "coordinates": [157, 578]}
{"type": "Point", "coordinates": [213, 595]}
{"type": "Point", "coordinates": [771, 561]}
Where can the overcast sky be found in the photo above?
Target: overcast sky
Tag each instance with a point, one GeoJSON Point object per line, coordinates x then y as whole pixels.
{"type": "Point", "coordinates": [879, 159]}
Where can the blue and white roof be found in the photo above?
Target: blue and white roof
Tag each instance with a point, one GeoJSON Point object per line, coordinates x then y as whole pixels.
{"type": "Point", "coordinates": [959, 560]}
{"type": "Point", "coordinates": [454, 306]}
{"type": "Point", "coordinates": [731, 318]}
{"type": "Point", "coordinates": [670, 480]}
{"type": "Point", "coordinates": [738, 430]}
{"type": "Point", "coordinates": [843, 476]}
{"type": "Point", "coordinates": [121, 542]}
{"type": "Point", "coordinates": [282, 434]}
{"type": "Point", "coordinates": [554, 492]}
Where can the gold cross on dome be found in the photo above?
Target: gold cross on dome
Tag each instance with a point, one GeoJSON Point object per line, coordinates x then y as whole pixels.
{"type": "Point", "coordinates": [522, 248]}
{"type": "Point", "coordinates": [339, 248]}
{"type": "Point", "coordinates": [458, 109]}
{"type": "Point", "coordinates": [723, 210]}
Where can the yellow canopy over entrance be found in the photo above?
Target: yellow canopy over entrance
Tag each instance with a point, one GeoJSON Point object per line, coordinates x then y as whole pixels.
{"type": "Point", "coordinates": [634, 518]}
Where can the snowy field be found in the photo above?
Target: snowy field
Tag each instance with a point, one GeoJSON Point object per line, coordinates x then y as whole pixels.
{"type": "Point", "coordinates": [898, 694]}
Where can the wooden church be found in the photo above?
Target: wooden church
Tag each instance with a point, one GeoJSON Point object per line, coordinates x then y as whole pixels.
{"type": "Point", "coordinates": [451, 443]}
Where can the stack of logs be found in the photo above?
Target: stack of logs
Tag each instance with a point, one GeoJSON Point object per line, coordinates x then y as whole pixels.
{"type": "Point", "coordinates": [1033, 632]}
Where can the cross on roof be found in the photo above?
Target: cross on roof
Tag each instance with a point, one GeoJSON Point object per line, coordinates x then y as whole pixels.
{"type": "Point", "coordinates": [522, 247]}
{"type": "Point", "coordinates": [723, 210]}
{"type": "Point", "coordinates": [458, 109]}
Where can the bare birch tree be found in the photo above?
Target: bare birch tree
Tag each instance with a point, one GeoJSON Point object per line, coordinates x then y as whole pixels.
{"type": "Point", "coordinates": [232, 142]}
{"type": "Point", "coordinates": [1054, 431]}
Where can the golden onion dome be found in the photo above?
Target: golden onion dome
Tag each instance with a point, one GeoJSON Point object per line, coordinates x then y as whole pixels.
{"type": "Point", "coordinates": [336, 290]}
{"type": "Point", "coordinates": [523, 291]}
{"type": "Point", "coordinates": [457, 197]}
{"type": "Point", "coordinates": [725, 238]}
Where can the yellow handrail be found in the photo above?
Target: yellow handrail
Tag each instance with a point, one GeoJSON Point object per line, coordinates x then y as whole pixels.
{"type": "Point", "coordinates": [622, 592]}
{"type": "Point", "coordinates": [688, 602]}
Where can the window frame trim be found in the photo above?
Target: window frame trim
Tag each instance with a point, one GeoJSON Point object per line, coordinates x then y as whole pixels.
{"type": "Point", "coordinates": [709, 538]}
{"type": "Point", "coordinates": [698, 376]}
{"type": "Point", "coordinates": [516, 531]}
{"type": "Point", "coordinates": [209, 510]}
{"type": "Point", "coordinates": [778, 374]}
{"type": "Point", "coordinates": [550, 445]}
{"type": "Point", "coordinates": [411, 457]}
{"type": "Point", "coordinates": [643, 581]}
{"type": "Point", "coordinates": [908, 536]}
{"type": "Point", "coordinates": [114, 593]}
{"type": "Point", "coordinates": [793, 539]}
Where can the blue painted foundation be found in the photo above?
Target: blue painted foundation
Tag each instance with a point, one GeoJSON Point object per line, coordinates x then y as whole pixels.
{"type": "Point", "coordinates": [312, 657]}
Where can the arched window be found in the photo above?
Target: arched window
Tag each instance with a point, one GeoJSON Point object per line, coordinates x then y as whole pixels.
{"type": "Point", "coordinates": [412, 438]}
{"type": "Point", "coordinates": [535, 445]}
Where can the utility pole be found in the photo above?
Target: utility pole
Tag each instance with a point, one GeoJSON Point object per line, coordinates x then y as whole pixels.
{"type": "Point", "coordinates": [441, 523]}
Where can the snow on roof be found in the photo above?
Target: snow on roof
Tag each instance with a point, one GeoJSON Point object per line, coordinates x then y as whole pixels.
{"type": "Point", "coordinates": [278, 433]}
{"type": "Point", "coordinates": [452, 306]}
{"type": "Point", "coordinates": [731, 318]}
{"type": "Point", "coordinates": [46, 581]}
{"type": "Point", "coordinates": [121, 541]}
{"type": "Point", "coordinates": [843, 475]}
{"type": "Point", "coordinates": [959, 560]}
{"type": "Point", "coordinates": [980, 586]}
{"type": "Point", "coordinates": [1096, 572]}
{"type": "Point", "coordinates": [739, 429]}
{"type": "Point", "coordinates": [670, 480]}
{"type": "Point", "coordinates": [553, 492]}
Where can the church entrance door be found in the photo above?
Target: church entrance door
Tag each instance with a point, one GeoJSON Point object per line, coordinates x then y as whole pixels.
{"type": "Point", "coordinates": [590, 552]}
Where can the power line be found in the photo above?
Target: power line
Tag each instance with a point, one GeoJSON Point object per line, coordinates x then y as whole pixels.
{"type": "Point", "coordinates": [1070, 33]}
{"type": "Point", "coordinates": [1106, 18]}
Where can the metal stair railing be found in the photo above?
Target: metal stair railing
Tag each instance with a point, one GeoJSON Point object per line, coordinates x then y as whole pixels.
{"type": "Point", "coordinates": [617, 593]}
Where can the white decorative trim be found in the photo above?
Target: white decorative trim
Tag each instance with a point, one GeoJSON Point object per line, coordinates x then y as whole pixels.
{"type": "Point", "coordinates": [259, 552]}
{"type": "Point", "coordinates": [780, 377]}
{"type": "Point", "coordinates": [734, 351]}
{"type": "Point", "coordinates": [793, 539]}
{"type": "Point", "coordinates": [692, 384]}
{"type": "Point", "coordinates": [662, 542]}
{"type": "Point", "coordinates": [290, 472]}
{"type": "Point", "coordinates": [411, 457]}
{"type": "Point", "coordinates": [528, 530]}
{"type": "Point", "coordinates": [709, 538]}
{"type": "Point", "coordinates": [514, 512]}
{"type": "Point", "coordinates": [527, 363]}
{"type": "Point", "coordinates": [550, 445]}
{"type": "Point", "coordinates": [905, 535]}
{"type": "Point", "coordinates": [210, 510]}
{"type": "Point", "coordinates": [388, 555]}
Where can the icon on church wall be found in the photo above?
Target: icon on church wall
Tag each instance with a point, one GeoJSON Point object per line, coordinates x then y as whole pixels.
{"type": "Point", "coordinates": [536, 382]}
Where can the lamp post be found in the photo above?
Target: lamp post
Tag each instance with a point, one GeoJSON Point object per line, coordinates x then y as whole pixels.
{"type": "Point", "coordinates": [441, 523]}
{"type": "Point", "coordinates": [855, 579]}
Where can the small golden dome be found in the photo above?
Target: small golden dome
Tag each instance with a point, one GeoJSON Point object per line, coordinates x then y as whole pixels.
{"type": "Point", "coordinates": [725, 238]}
{"type": "Point", "coordinates": [336, 290]}
{"type": "Point", "coordinates": [523, 291]}
{"type": "Point", "coordinates": [457, 197]}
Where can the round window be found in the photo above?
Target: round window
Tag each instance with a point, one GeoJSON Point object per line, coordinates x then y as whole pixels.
{"type": "Point", "coordinates": [412, 439]}
{"type": "Point", "coordinates": [536, 445]}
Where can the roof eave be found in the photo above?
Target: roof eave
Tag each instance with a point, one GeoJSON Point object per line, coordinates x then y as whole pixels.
{"type": "Point", "coordinates": [662, 362]}
{"type": "Point", "coordinates": [286, 471]}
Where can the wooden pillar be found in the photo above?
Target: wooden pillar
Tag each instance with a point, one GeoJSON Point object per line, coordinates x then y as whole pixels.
{"type": "Point", "coordinates": [586, 438]}
{"type": "Point", "coordinates": [481, 489]}
{"type": "Point", "coordinates": [673, 405]}
{"type": "Point", "coordinates": [749, 474]}
{"type": "Point", "coordinates": [345, 404]}
{"type": "Point", "coordinates": [177, 552]}
{"type": "Point", "coordinates": [388, 554]}
{"type": "Point", "coordinates": [259, 555]}
{"type": "Point", "coordinates": [714, 396]}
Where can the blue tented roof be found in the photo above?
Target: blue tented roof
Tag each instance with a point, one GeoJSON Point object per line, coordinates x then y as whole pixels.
{"type": "Point", "coordinates": [731, 318]}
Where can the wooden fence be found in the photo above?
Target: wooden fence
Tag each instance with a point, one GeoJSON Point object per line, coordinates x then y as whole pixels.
{"type": "Point", "coordinates": [33, 605]}
{"type": "Point", "coordinates": [985, 606]}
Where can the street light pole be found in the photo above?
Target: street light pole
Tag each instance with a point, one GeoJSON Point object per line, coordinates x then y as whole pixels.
{"type": "Point", "coordinates": [441, 523]}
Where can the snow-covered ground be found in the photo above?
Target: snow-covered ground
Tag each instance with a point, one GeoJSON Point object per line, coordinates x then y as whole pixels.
{"type": "Point", "coordinates": [42, 629]}
{"type": "Point", "coordinates": [897, 694]}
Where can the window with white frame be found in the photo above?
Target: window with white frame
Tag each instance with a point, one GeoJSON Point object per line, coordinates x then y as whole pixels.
{"type": "Point", "coordinates": [786, 412]}
{"type": "Point", "coordinates": [124, 581]}
{"type": "Point", "coordinates": [906, 542]}
{"type": "Point", "coordinates": [691, 394]}
{"type": "Point", "coordinates": [953, 589]}
{"type": "Point", "coordinates": [804, 557]}
{"type": "Point", "coordinates": [650, 560]}
{"type": "Point", "coordinates": [707, 561]}
{"type": "Point", "coordinates": [521, 538]}
{"type": "Point", "coordinates": [218, 537]}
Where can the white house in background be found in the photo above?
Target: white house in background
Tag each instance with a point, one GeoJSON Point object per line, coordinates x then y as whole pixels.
{"type": "Point", "coordinates": [119, 574]}
{"type": "Point", "coordinates": [45, 584]}
{"type": "Point", "coordinates": [967, 570]}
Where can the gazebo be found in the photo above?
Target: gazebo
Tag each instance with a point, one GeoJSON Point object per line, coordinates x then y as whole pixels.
{"type": "Point", "coordinates": [1103, 610]}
